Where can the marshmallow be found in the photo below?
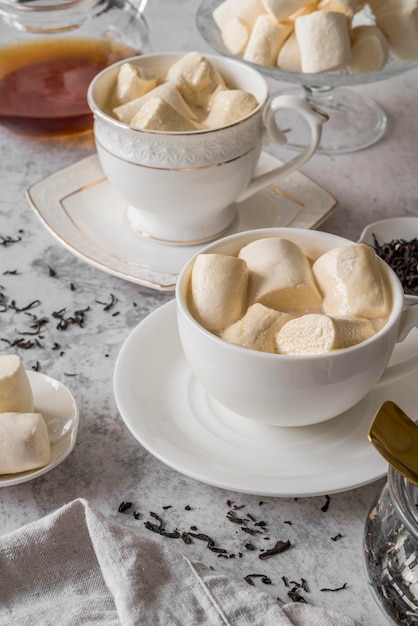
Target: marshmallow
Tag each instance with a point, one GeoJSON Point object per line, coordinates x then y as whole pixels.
{"type": "Point", "coordinates": [281, 9]}
{"type": "Point", "coordinates": [385, 7]}
{"type": "Point", "coordinates": [401, 30]}
{"type": "Point", "coordinates": [316, 334]}
{"type": "Point", "coordinates": [257, 329]}
{"type": "Point", "coordinates": [289, 55]}
{"type": "Point", "coordinates": [24, 442]}
{"type": "Point", "coordinates": [228, 105]}
{"type": "Point", "coordinates": [167, 91]}
{"type": "Point", "coordinates": [157, 114]}
{"type": "Point", "coordinates": [195, 78]}
{"type": "Point", "coordinates": [15, 390]}
{"type": "Point", "coordinates": [280, 276]}
{"type": "Point", "coordinates": [246, 11]}
{"type": "Point", "coordinates": [369, 49]}
{"type": "Point", "coordinates": [266, 39]}
{"type": "Point", "coordinates": [308, 8]}
{"type": "Point", "coordinates": [352, 283]}
{"type": "Point", "coordinates": [348, 7]}
{"type": "Point", "coordinates": [235, 35]}
{"type": "Point", "coordinates": [133, 82]}
{"type": "Point", "coordinates": [324, 41]}
{"type": "Point", "coordinates": [219, 286]}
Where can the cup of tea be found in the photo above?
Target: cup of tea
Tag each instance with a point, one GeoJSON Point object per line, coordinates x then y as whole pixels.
{"type": "Point", "coordinates": [181, 186]}
{"type": "Point", "coordinates": [290, 389]}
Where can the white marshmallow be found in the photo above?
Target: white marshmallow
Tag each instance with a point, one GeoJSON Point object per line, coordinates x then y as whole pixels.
{"type": "Point", "coordinates": [308, 8]}
{"type": "Point", "coordinates": [15, 390]}
{"type": "Point", "coordinates": [257, 329]}
{"type": "Point", "coordinates": [157, 114]}
{"type": "Point", "coordinates": [266, 39]}
{"type": "Point", "coordinates": [246, 11]}
{"type": "Point", "coordinates": [324, 41]}
{"type": "Point", "coordinates": [401, 30]}
{"type": "Point", "coordinates": [386, 7]}
{"type": "Point", "coordinates": [235, 35]}
{"type": "Point", "coordinates": [195, 78]}
{"type": "Point", "coordinates": [352, 283]}
{"type": "Point", "coordinates": [348, 7]}
{"type": "Point", "coordinates": [317, 334]}
{"type": "Point", "coordinates": [289, 55]}
{"type": "Point", "coordinates": [280, 276]}
{"type": "Point", "coordinates": [24, 442]}
{"type": "Point", "coordinates": [133, 82]}
{"type": "Point", "coordinates": [369, 49]}
{"type": "Point", "coordinates": [229, 105]}
{"type": "Point", "coordinates": [219, 285]}
{"type": "Point", "coordinates": [281, 9]}
{"type": "Point", "coordinates": [167, 91]}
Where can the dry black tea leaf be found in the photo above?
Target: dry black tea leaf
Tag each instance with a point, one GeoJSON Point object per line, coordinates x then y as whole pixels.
{"type": "Point", "coordinates": [124, 506]}
{"type": "Point", "coordinates": [278, 548]}
{"type": "Point", "coordinates": [265, 579]}
{"type": "Point", "coordinates": [402, 256]}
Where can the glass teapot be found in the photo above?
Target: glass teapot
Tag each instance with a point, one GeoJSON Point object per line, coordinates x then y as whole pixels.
{"type": "Point", "coordinates": [50, 50]}
{"type": "Point", "coordinates": [391, 549]}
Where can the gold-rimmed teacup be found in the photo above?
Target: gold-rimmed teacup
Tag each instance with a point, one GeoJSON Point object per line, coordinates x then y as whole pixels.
{"type": "Point", "coordinates": [181, 187]}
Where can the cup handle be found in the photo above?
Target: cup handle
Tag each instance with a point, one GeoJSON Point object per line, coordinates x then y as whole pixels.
{"type": "Point", "coordinates": [314, 117]}
{"type": "Point", "coordinates": [409, 320]}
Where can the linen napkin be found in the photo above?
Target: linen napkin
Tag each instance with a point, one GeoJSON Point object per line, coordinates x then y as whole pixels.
{"type": "Point", "coordinates": [75, 567]}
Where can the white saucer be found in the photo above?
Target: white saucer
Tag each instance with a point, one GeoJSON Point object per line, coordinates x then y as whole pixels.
{"type": "Point", "coordinates": [177, 421]}
{"type": "Point", "coordinates": [80, 208]}
{"type": "Point", "coordinates": [57, 405]}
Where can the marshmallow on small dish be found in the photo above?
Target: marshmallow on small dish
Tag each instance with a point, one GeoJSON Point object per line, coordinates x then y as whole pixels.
{"type": "Point", "coordinates": [266, 39]}
{"type": "Point", "coordinates": [324, 41]}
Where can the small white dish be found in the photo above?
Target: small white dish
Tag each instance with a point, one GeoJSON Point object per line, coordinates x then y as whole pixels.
{"type": "Point", "coordinates": [389, 229]}
{"type": "Point", "coordinates": [176, 420]}
{"type": "Point", "coordinates": [79, 207]}
{"type": "Point", "coordinates": [58, 407]}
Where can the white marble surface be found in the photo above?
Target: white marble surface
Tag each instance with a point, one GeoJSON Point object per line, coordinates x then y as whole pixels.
{"type": "Point", "coordinates": [107, 465]}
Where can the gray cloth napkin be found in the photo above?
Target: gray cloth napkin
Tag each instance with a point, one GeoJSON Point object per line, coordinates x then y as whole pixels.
{"type": "Point", "coordinates": [75, 566]}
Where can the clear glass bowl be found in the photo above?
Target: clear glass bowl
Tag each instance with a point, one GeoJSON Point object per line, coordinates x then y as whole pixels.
{"type": "Point", "coordinates": [50, 52]}
{"type": "Point", "coordinates": [391, 550]}
{"type": "Point", "coordinates": [356, 121]}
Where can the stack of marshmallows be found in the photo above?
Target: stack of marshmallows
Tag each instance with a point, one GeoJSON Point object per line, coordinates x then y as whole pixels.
{"type": "Point", "coordinates": [319, 35]}
{"type": "Point", "coordinates": [272, 298]}
{"type": "Point", "coordinates": [191, 96]}
{"type": "Point", "coordinates": [24, 441]}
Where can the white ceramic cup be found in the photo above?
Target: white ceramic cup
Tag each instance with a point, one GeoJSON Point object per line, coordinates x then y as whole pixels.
{"type": "Point", "coordinates": [291, 390]}
{"type": "Point", "coordinates": [181, 186]}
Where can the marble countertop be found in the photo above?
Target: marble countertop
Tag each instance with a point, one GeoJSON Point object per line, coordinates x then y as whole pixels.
{"type": "Point", "coordinates": [107, 465]}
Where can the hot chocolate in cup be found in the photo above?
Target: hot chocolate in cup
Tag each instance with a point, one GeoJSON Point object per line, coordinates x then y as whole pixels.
{"type": "Point", "coordinates": [292, 389]}
{"type": "Point", "coordinates": [181, 187]}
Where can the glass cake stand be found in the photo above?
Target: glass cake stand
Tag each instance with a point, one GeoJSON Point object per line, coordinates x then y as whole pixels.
{"type": "Point", "coordinates": [355, 120]}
